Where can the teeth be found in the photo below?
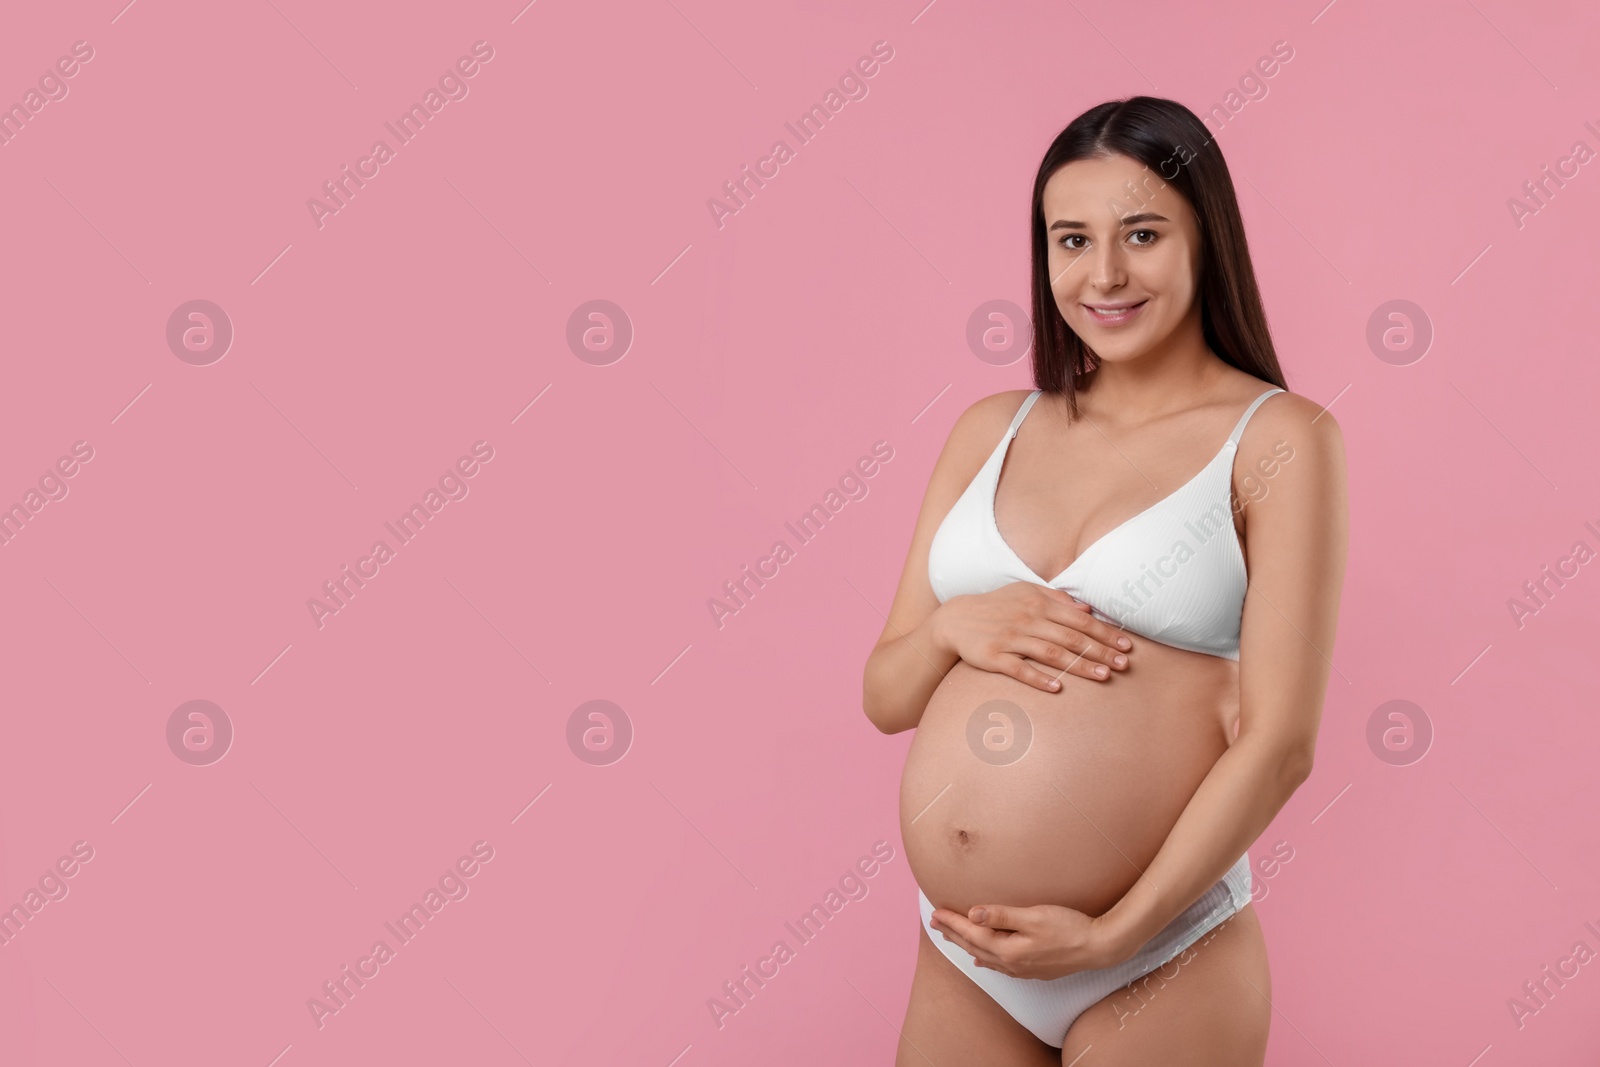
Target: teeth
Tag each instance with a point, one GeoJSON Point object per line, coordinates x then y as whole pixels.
{"type": "Point", "coordinates": [1110, 311]}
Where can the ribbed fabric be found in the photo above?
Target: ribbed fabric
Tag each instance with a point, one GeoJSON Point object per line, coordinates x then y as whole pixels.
{"type": "Point", "coordinates": [1173, 573]}
{"type": "Point", "coordinates": [1049, 1007]}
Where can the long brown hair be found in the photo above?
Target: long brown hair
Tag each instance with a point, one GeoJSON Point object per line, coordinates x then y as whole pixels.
{"type": "Point", "coordinates": [1165, 136]}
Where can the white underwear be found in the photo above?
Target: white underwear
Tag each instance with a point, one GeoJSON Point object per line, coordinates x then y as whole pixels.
{"type": "Point", "coordinates": [1049, 1007]}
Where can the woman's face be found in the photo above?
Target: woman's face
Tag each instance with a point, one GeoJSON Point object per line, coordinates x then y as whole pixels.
{"type": "Point", "coordinates": [1118, 234]}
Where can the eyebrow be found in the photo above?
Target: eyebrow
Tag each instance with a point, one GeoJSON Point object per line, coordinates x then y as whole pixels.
{"type": "Point", "coordinates": [1129, 220]}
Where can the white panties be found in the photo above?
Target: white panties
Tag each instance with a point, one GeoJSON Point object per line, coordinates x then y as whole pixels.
{"type": "Point", "coordinates": [1049, 1007]}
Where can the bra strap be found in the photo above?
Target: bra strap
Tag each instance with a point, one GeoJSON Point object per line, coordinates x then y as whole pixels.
{"type": "Point", "coordinates": [1022, 413]}
{"type": "Point", "coordinates": [1238, 431]}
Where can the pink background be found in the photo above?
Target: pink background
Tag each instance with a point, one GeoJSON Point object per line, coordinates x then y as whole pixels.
{"type": "Point", "coordinates": [768, 356]}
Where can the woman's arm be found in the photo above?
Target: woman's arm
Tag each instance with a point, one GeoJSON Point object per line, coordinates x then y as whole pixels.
{"type": "Point", "coordinates": [1296, 535]}
{"type": "Point", "coordinates": [901, 674]}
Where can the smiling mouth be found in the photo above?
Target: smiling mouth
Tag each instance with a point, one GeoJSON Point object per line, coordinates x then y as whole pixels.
{"type": "Point", "coordinates": [1114, 316]}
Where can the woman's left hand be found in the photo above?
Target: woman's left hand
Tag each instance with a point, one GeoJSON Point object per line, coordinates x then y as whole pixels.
{"type": "Point", "coordinates": [1043, 941]}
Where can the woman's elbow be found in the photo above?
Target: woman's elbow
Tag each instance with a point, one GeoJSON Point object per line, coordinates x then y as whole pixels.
{"type": "Point", "coordinates": [1291, 759]}
{"type": "Point", "coordinates": [1298, 763]}
{"type": "Point", "coordinates": [869, 706]}
{"type": "Point", "coordinates": [882, 719]}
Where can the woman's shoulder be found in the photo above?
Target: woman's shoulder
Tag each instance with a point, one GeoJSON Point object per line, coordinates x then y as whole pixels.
{"type": "Point", "coordinates": [977, 432]}
{"type": "Point", "coordinates": [987, 418]}
{"type": "Point", "coordinates": [996, 407]}
{"type": "Point", "coordinates": [1289, 417]}
{"type": "Point", "coordinates": [1286, 404]}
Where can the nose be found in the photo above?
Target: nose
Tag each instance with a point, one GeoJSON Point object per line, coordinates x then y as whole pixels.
{"type": "Point", "coordinates": [1105, 267]}
{"type": "Point", "coordinates": [1101, 265]}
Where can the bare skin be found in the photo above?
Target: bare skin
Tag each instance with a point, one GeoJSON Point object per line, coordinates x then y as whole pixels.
{"type": "Point", "coordinates": [1210, 1007]}
{"type": "Point", "coordinates": [1145, 782]}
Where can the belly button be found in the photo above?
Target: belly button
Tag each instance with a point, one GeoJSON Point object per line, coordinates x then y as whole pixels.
{"type": "Point", "coordinates": [963, 839]}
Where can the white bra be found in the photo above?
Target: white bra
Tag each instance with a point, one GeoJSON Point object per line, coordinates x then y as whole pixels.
{"type": "Point", "coordinates": [1173, 573]}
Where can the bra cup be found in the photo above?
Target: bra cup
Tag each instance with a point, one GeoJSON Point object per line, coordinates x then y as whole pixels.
{"type": "Point", "coordinates": [1174, 574]}
{"type": "Point", "coordinates": [958, 561]}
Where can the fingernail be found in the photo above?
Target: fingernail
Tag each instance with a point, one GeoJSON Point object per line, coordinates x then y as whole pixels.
{"type": "Point", "coordinates": [980, 914]}
{"type": "Point", "coordinates": [1099, 672]}
{"type": "Point", "coordinates": [1054, 684]}
{"type": "Point", "coordinates": [1124, 644]}
{"type": "Point", "coordinates": [1121, 661]}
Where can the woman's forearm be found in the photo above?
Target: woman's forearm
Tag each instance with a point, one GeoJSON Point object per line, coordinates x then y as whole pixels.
{"type": "Point", "coordinates": [1234, 805]}
{"type": "Point", "coordinates": [901, 675]}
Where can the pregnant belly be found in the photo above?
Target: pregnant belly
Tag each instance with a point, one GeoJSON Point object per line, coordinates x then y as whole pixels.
{"type": "Point", "coordinates": [1011, 795]}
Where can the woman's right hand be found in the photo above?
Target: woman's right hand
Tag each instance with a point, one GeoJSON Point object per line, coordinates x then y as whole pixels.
{"type": "Point", "coordinates": [1002, 629]}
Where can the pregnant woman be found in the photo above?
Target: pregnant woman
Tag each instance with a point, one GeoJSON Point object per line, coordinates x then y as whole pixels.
{"type": "Point", "coordinates": [1096, 751]}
